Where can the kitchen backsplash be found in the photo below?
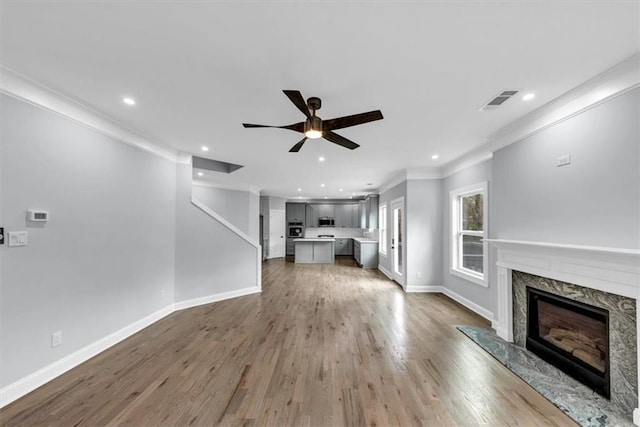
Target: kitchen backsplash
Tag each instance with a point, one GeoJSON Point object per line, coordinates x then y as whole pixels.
{"type": "Point", "coordinates": [341, 232]}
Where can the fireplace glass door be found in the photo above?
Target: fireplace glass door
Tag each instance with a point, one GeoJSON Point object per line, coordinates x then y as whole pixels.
{"type": "Point", "coordinates": [570, 335]}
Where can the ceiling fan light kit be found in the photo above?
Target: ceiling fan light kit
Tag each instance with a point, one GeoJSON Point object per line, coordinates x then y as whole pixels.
{"type": "Point", "coordinates": [314, 127]}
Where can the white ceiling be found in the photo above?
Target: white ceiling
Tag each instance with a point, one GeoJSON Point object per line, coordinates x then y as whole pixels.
{"type": "Point", "coordinates": [199, 69]}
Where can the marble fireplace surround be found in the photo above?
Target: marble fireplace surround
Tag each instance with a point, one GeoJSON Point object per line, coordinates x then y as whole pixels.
{"type": "Point", "coordinates": [612, 270]}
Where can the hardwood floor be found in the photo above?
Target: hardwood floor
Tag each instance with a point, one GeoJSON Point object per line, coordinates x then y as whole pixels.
{"type": "Point", "coordinates": [323, 345]}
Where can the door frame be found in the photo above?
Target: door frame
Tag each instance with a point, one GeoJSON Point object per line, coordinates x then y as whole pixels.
{"type": "Point", "coordinates": [270, 254]}
{"type": "Point", "coordinates": [398, 277]}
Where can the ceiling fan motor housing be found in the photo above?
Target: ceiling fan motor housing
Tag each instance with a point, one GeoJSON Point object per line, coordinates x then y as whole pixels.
{"type": "Point", "coordinates": [314, 103]}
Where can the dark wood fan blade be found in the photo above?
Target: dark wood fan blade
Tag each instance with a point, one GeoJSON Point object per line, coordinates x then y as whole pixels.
{"type": "Point", "coordinates": [347, 121]}
{"type": "Point", "coordinates": [340, 140]}
{"type": "Point", "coordinates": [298, 127]}
{"type": "Point", "coordinates": [249, 125]}
{"type": "Point", "coordinates": [298, 146]}
{"type": "Point", "coordinates": [296, 97]}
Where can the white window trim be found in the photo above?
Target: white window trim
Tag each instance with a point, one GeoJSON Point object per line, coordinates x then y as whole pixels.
{"type": "Point", "coordinates": [382, 250]}
{"type": "Point", "coordinates": [455, 253]}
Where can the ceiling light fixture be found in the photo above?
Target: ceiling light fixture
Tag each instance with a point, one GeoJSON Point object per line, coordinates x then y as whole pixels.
{"type": "Point", "coordinates": [129, 101]}
{"type": "Point", "coordinates": [299, 189]}
{"type": "Point", "coordinates": [325, 197]}
{"type": "Point", "coordinates": [321, 185]}
{"type": "Point", "coordinates": [321, 159]}
{"type": "Point", "coordinates": [205, 148]}
{"type": "Point", "coordinates": [435, 157]}
{"type": "Point", "coordinates": [200, 174]}
{"type": "Point", "coordinates": [340, 189]}
{"type": "Point", "coordinates": [528, 96]}
{"type": "Point", "coordinates": [313, 127]}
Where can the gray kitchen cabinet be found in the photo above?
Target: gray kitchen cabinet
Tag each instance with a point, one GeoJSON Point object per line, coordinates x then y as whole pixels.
{"type": "Point", "coordinates": [326, 210]}
{"type": "Point", "coordinates": [368, 212]}
{"type": "Point", "coordinates": [344, 246]}
{"type": "Point", "coordinates": [295, 212]}
{"type": "Point", "coordinates": [365, 253]}
{"type": "Point", "coordinates": [355, 219]}
{"type": "Point", "coordinates": [311, 215]}
{"type": "Point", "coordinates": [342, 215]}
{"type": "Point", "coordinates": [372, 216]}
{"type": "Point", "coordinates": [362, 214]}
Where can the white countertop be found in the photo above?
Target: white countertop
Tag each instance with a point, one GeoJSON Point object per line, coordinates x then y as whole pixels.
{"type": "Point", "coordinates": [315, 239]}
{"type": "Point", "coordinates": [364, 240]}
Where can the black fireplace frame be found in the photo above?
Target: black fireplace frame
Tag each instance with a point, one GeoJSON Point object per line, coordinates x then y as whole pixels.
{"type": "Point", "coordinates": [563, 360]}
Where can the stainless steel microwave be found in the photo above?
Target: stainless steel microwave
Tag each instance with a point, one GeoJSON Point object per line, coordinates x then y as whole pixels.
{"type": "Point", "coordinates": [325, 221]}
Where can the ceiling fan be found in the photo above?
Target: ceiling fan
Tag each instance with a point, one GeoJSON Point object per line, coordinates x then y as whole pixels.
{"type": "Point", "coordinates": [314, 127]}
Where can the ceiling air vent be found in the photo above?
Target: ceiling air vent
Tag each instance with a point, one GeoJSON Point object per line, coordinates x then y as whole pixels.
{"type": "Point", "coordinates": [498, 100]}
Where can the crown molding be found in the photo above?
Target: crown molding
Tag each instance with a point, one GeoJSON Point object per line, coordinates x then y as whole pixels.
{"type": "Point", "coordinates": [21, 87]}
{"type": "Point", "coordinates": [617, 80]}
{"type": "Point", "coordinates": [426, 172]}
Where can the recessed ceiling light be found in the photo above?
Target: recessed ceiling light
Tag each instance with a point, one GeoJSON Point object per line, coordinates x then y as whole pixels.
{"type": "Point", "coordinates": [299, 189]}
{"type": "Point", "coordinates": [528, 96]}
{"type": "Point", "coordinates": [205, 148]}
{"type": "Point", "coordinates": [353, 194]}
{"type": "Point", "coordinates": [325, 197]}
{"type": "Point", "coordinates": [299, 197]}
{"type": "Point", "coordinates": [321, 185]}
{"type": "Point", "coordinates": [340, 189]}
{"type": "Point", "coordinates": [435, 157]}
{"type": "Point", "coordinates": [129, 101]}
{"type": "Point", "coordinates": [200, 174]}
{"type": "Point", "coordinates": [351, 197]}
{"type": "Point", "coordinates": [321, 159]}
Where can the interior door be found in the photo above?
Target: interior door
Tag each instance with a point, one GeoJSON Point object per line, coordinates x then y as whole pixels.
{"type": "Point", "coordinates": [276, 234]}
{"type": "Point", "coordinates": [397, 240]}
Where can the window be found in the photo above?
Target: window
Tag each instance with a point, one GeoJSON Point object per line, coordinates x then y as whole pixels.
{"type": "Point", "coordinates": [468, 231]}
{"type": "Point", "coordinates": [382, 229]}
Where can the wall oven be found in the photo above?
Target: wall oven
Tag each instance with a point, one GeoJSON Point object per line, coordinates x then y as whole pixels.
{"type": "Point", "coordinates": [296, 230]}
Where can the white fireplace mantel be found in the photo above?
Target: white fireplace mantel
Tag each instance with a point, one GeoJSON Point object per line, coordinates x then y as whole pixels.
{"type": "Point", "coordinates": [612, 270]}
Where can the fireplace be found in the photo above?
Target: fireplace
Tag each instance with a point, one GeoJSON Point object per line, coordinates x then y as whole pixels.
{"type": "Point", "coordinates": [571, 335]}
{"type": "Point", "coordinates": [607, 278]}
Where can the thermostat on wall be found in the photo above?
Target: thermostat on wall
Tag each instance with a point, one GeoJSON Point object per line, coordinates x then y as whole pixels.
{"type": "Point", "coordinates": [38, 215]}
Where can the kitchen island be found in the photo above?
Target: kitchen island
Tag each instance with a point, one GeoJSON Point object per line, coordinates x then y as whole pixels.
{"type": "Point", "coordinates": [318, 250]}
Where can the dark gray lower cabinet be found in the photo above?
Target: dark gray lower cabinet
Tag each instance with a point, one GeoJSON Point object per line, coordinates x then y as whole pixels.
{"type": "Point", "coordinates": [366, 253]}
{"type": "Point", "coordinates": [344, 247]}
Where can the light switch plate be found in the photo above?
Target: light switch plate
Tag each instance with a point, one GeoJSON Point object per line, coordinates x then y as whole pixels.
{"type": "Point", "coordinates": [563, 160]}
{"type": "Point", "coordinates": [18, 238]}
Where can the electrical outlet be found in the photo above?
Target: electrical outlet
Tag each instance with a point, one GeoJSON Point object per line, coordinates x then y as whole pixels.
{"type": "Point", "coordinates": [563, 160]}
{"type": "Point", "coordinates": [56, 339]}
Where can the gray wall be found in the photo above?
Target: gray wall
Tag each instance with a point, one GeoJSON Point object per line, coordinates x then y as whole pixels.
{"type": "Point", "coordinates": [593, 201]}
{"type": "Point", "coordinates": [123, 240]}
{"type": "Point", "coordinates": [424, 232]}
{"type": "Point", "coordinates": [480, 295]}
{"type": "Point", "coordinates": [210, 259]}
{"type": "Point", "coordinates": [106, 257]}
{"type": "Point", "coordinates": [240, 208]}
{"type": "Point", "coordinates": [393, 193]}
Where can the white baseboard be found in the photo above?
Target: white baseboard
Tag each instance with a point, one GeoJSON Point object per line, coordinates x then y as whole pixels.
{"type": "Point", "coordinates": [636, 416]}
{"type": "Point", "coordinates": [424, 288]}
{"type": "Point", "coordinates": [468, 303]}
{"type": "Point", "coordinates": [216, 297]}
{"type": "Point", "coordinates": [385, 272]}
{"type": "Point", "coordinates": [42, 376]}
